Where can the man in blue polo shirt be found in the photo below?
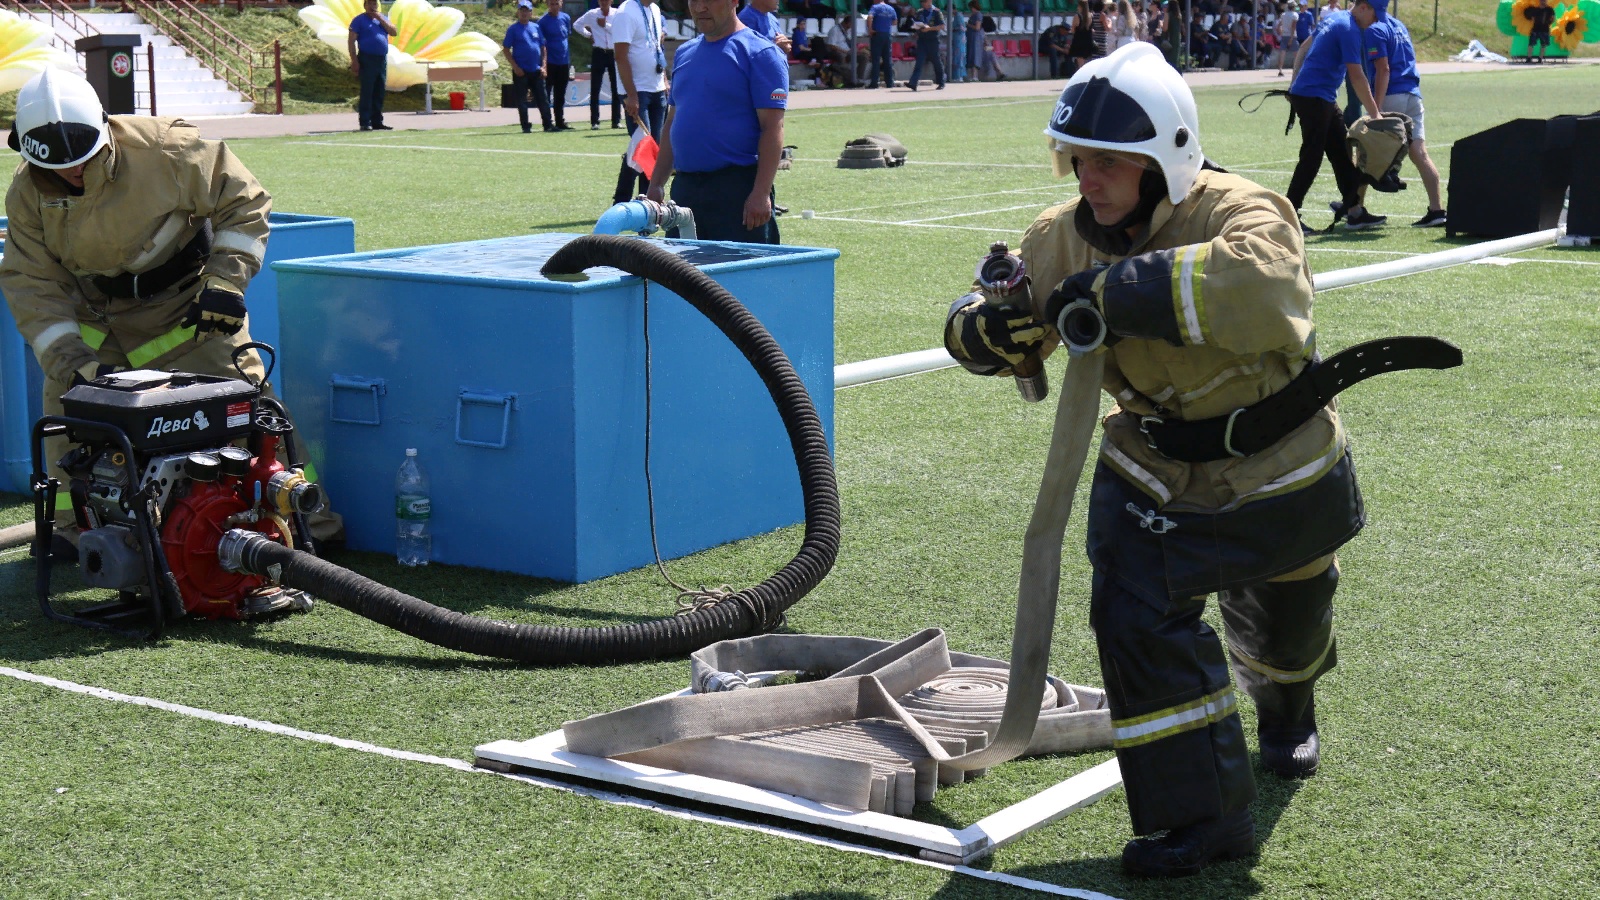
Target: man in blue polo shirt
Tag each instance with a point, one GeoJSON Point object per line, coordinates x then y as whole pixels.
{"type": "Point", "coordinates": [881, 19]}
{"type": "Point", "coordinates": [724, 129]}
{"type": "Point", "coordinates": [369, 59]}
{"type": "Point", "coordinates": [555, 27]}
{"type": "Point", "coordinates": [759, 17]}
{"type": "Point", "coordinates": [1333, 53]}
{"type": "Point", "coordinates": [524, 50]}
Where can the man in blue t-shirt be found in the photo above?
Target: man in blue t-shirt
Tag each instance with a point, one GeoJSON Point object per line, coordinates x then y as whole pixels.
{"type": "Point", "coordinates": [1404, 95]}
{"type": "Point", "coordinates": [1333, 53]}
{"type": "Point", "coordinates": [724, 129]}
{"type": "Point", "coordinates": [369, 59]}
{"type": "Point", "coordinates": [881, 19]}
{"type": "Point", "coordinates": [524, 50]}
{"type": "Point", "coordinates": [928, 23]}
{"type": "Point", "coordinates": [759, 17]}
{"type": "Point", "coordinates": [555, 27]}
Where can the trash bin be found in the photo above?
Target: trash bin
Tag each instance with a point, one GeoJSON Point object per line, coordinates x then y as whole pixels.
{"type": "Point", "coordinates": [22, 383]}
{"type": "Point", "coordinates": [458, 100]}
{"type": "Point", "coordinates": [108, 65]}
{"type": "Point", "coordinates": [526, 399]}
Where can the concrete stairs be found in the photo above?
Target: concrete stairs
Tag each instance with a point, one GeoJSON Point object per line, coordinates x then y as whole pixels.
{"type": "Point", "coordinates": [183, 86]}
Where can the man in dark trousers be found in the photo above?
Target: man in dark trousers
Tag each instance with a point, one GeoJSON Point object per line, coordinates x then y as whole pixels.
{"type": "Point", "coordinates": [369, 60]}
{"type": "Point", "coordinates": [881, 19]}
{"type": "Point", "coordinates": [524, 50]}
{"type": "Point", "coordinates": [596, 26]}
{"type": "Point", "coordinates": [928, 23]}
{"type": "Point", "coordinates": [1334, 52]}
{"type": "Point", "coordinates": [724, 130]}
{"type": "Point", "coordinates": [555, 27]}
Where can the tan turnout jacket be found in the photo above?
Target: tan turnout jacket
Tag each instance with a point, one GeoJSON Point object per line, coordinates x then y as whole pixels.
{"type": "Point", "coordinates": [145, 196]}
{"type": "Point", "coordinates": [1241, 295]}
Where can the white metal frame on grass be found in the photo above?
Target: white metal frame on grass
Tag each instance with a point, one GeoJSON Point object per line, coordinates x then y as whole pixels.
{"type": "Point", "coordinates": [548, 754]}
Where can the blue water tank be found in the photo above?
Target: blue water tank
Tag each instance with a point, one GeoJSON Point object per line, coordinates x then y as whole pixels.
{"type": "Point", "coordinates": [526, 399]}
{"type": "Point", "coordinates": [22, 383]}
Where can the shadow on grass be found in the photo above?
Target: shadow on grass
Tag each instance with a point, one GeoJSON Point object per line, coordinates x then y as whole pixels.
{"type": "Point", "coordinates": [1220, 880]}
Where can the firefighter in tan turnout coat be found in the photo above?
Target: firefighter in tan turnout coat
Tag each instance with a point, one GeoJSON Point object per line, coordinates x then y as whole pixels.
{"type": "Point", "coordinates": [1200, 280]}
{"type": "Point", "coordinates": [129, 245]}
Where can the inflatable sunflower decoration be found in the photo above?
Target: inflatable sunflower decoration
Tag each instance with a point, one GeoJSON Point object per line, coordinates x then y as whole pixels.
{"type": "Point", "coordinates": [1569, 30]}
{"type": "Point", "coordinates": [1520, 20]}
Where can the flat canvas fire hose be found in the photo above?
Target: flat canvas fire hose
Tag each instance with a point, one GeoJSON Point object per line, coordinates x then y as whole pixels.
{"type": "Point", "coordinates": [869, 688]}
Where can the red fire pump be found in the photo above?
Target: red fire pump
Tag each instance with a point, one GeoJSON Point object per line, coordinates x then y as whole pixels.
{"type": "Point", "coordinates": [156, 480]}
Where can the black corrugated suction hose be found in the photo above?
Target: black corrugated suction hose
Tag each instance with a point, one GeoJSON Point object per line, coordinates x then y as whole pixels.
{"type": "Point", "coordinates": [666, 637]}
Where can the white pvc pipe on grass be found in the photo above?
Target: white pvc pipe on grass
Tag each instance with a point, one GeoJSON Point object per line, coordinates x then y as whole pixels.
{"type": "Point", "coordinates": [883, 368]}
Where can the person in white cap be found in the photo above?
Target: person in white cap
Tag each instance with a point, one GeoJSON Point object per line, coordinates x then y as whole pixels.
{"type": "Point", "coordinates": [129, 245]}
{"type": "Point", "coordinates": [1199, 282]}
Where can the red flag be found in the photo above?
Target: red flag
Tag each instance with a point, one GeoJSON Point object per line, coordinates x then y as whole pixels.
{"type": "Point", "coordinates": [642, 153]}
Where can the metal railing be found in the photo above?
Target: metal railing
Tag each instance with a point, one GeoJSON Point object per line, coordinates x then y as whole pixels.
{"type": "Point", "coordinates": [229, 58]}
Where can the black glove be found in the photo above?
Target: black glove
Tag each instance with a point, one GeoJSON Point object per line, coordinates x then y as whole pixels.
{"type": "Point", "coordinates": [218, 308]}
{"type": "Point", "coordinates": [990, 340]}
{"type": "Point", "coordinates": [1085, 324]}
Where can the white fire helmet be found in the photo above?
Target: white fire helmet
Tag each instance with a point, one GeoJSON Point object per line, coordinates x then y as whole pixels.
{"type": "Point", "coordinates": [1131, 101]}
{"type": "Point", "coordinates": [60, 122]}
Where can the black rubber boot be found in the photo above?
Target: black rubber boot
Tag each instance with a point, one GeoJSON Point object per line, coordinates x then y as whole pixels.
{"type": "Point", "coordinates": [1290, 749]}
{"type": "Point", "coordinates": [1185, 851]}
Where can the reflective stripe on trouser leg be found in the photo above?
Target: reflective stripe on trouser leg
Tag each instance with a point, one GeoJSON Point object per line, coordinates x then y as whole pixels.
{"type": "Point", "coordinates": [1280, 635]}
{"type": "Point", "coordinates": [1179, 741]}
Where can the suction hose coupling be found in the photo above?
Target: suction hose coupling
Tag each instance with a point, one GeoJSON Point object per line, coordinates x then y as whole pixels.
{"type": "Point", "coordinates": [290, 492]}
{"type": "Point", "coordinates": [239, 550]}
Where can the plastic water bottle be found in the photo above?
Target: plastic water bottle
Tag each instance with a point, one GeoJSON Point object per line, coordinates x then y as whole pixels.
{"type": "Point", "coordinates": [412, 509]}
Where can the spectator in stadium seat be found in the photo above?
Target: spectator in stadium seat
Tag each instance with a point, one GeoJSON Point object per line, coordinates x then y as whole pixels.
{"type": "Point", "coordinates": [1056, 42]}
{"type": "Point", "coordinates": [724, 131]}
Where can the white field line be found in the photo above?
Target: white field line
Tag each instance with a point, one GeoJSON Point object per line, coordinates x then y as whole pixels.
{"type": "Point", "coordinates": [934, 200]}
{"type": "Point", "coordinates": [604, 796]}
{"type": "Point", "coordinates": [369, 146]}
{"type": "Point", "coordinates": [914, 225]}
{"type": "Point", "coordinates": [912, 106]}
{"type": "Point", "coordinates": [981, 212]}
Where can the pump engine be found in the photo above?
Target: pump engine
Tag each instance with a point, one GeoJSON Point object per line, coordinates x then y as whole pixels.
{"type": "Point", "coordinates": [156, 479]}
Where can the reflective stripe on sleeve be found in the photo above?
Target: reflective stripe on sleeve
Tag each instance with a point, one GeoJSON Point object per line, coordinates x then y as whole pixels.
{"type": "Point", "coordinates": [1283, 676]}
{"type": "Point", "coordinates": [1188, 295]}
{"type": "Point", "coordinates": [145, 354]}
{"type": "Point", "coordinates": [48, 337]}
{"type": "Point", "coordinates": [92, 336]}
{"type": "Point", "coordinates": [1174, 720]}
{"type": "Point", "coordinates": [240, 242]}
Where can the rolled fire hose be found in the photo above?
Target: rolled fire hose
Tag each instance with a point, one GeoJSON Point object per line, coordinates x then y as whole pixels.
{"type": "Point", "coordinates": [869, 688]}
{"type": "Point", "coordinates": [750, 610]}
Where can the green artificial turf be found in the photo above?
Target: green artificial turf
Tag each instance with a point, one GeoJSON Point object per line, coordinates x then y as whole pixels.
{"type": "Point", "coordinates": [1458, 750]}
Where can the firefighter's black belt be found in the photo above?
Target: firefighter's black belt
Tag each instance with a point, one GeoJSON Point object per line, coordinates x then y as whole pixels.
{"type": "Point", "coordinates": [1251, 429]}
{"type": "Point", "coordinates": [183, 267]}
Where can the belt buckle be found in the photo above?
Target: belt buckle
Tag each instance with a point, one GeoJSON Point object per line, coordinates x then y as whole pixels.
{"type": "Point", "coordinates": [1144, 428]}
{"type": "Point", "coordinates": [1227, 435]}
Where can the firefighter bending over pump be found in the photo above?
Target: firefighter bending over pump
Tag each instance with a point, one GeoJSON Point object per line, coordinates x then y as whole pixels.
{"type": "Point", "coordinates": [1200, 282]}
{"type": "Point", "coordinates": [130, 242]}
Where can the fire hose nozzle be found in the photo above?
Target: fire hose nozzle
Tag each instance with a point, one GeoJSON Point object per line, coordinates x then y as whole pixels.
{"type": "Point", "coordinates": [1003, 280]}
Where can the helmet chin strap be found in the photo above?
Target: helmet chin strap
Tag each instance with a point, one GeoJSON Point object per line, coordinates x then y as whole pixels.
{"type": "Point", "coordinates": [1114, 239]}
